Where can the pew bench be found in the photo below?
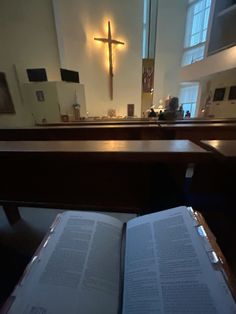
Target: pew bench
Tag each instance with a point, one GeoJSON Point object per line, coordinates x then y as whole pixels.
{"type": "Point", "coordinates": [128, 176]}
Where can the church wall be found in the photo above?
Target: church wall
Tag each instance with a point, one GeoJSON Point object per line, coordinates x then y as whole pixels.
{"type": "Point", "coordinates": [219, 109]}
{"type": "Point", "coordinates": [169, 48]}
{"type": "Point", "coordinates": [78, 22]}
{"type": "Point", "coordinates": [28, 40]}
{"type": "Point", "coordinates": [219, 62]}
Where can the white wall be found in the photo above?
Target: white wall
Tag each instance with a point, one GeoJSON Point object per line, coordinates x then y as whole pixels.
{"type": "Point", "coordinates": [169, 47]}
{"type": "Point", "coordinates": [222, 61]}
{"type": "Point", "coordinates": [220, 109]}
{"type": "Point", "coordinates": [28, 39]}
{"type": "Point", "coordinates": [57, 99]}
{"type": "Point", "coordinates": [78, 22]}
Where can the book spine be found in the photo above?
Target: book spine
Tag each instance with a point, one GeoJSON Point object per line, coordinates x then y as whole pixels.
{"type": "Point", "coordinates": [122, 267]}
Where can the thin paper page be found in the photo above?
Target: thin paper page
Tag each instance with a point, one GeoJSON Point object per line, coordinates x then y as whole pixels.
{"type": "Point", "coordinates": [77, 271]}
{"type": "Point", "coordinates": [167, 268]}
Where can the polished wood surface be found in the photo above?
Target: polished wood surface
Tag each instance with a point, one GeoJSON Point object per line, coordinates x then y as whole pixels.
{"type": "Point", "coordinates": [149, 150]}
{"type": "Point", "coordinates": [96, 175]}
{"type": "Point", "coordinates": [223, 147]}
{"type": "Point", "coordinates": [148, 130]}
{"type": "Point", "coordinates": [87, 132]}
{"type": "Point", "coordinates": [197, 125]}
{"type": "Point", "coordinates": [202, 131]}
{"type": "Point", "coordinates": [162, 146]}
{"type": "Point", "coordinates": [143, 121]}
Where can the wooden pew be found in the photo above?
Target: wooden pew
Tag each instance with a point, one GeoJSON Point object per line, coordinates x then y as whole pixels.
{"type": "Point", "coordinates": [143, 121]}
{"type": "Point", "coordinates": [128, 176]}
{"type": "Point", "coordinates": [225, 149]}
{"type": "Point", "coordinates": [86, 132]}
{"type": "Point", "coordinates": [199, 120]}
{"type": "Point", "coordinates": [202, 131]}
{"type": "Point", "coordinates": [216, 181]}
{"type": "Point", "coordinates": [153, 131]}
{"type": "Point", "coordinates": [213, 190]}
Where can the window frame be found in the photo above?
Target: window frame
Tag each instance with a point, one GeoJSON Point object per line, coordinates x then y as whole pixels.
{"type": "Point", "coordinates": [189, 29]}
{"type": "Point", "coordinates": [192, 103]}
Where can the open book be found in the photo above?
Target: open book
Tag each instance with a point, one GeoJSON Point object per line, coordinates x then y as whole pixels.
{"type": "Point", "coordinates": [92, 263]}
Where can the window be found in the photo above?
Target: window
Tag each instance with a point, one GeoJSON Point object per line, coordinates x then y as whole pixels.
{"type": "Point", "coordinates": [188, 97]}
{"type": "Point", "coordinates": [149, 28]}
{"type": "Point", "coordinates": [193, 55]}
{"type": "Point", "coordinates": [196, 31]}
{"type": "Point", "coordinates": [145, 28]}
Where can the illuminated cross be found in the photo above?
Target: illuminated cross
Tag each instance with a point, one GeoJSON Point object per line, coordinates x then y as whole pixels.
{"type": "Point", "coordinates": [110, 42]}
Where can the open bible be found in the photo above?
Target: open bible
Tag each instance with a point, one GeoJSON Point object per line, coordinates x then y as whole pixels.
{"type": "Point", "coordinates": [92, 263]}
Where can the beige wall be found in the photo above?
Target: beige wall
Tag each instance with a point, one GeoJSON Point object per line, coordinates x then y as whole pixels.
{"type": "Point", "coordinates": [169, 47]}
{"type": "Point", "coordinates": [28, 39]}
{"type": "Point", "coordinates": [78, 22]}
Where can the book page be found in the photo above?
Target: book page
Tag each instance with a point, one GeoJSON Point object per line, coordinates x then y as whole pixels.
{"type": "Point", "coordinates": [76, 271]}
{"type": "Point", "coordinates": [168, 269]}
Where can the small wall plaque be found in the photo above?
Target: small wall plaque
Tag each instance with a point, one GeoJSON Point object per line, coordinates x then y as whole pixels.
{"type": "Point", "coordinates": [130, 110]}
{"type": "Point", "coordinates": [40, 95]}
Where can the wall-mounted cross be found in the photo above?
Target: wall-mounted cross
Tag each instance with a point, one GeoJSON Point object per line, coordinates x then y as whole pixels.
{"type": "Point", "coordinates": [110, 42]}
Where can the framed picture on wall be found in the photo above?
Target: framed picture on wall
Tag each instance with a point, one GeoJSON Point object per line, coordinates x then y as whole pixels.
{"type": "Point", "coordinates": [40, 95]}
{"type": "Point", "coordinates": [232, 93]}
{"type": "Point", "coordinates": [148, 75]}
{"type": "Point", "coordinates": [6, 103]}
{"type": "Point", "coordinates": [219, 94]}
